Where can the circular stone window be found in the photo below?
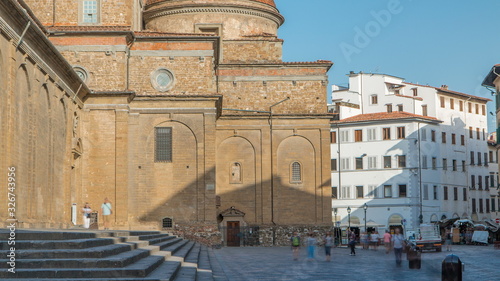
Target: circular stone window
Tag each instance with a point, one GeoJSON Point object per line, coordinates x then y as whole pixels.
{"type": "Point", "coordinates": [82, 73]}
{"type": "Point", "coordinates": [162, 79]}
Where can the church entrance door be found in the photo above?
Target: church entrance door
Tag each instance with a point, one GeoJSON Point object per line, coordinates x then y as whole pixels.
{"type": "Point", "coordinates": [233, 234]}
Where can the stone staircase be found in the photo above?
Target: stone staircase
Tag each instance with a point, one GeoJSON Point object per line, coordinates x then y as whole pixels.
{"type": "Point", "coordinates": [109, 255]}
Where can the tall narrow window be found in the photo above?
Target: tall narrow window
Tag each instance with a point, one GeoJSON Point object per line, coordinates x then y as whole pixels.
{"type": "Point", "coordinates": [472, 182]}
{"type": "Point", "coordinates": [441, 101]}
{"type": "Point", "coordinates": [464, 166]}
{"type": "Point", "coordinates": [359, 163]}
{"type": "Point", "coordinates": [333, 137]}
{"type": "Point", "coordinates": [387, 191]}
{"type": "Point", "coordinates": [426, 192]}
{"type": "Point", "coordinates": [433, 135]}
{"type": "Point", "coordinates": [415, 91]}
{"type": "Point", "coordinates": [443, 137]}
{"type": "Point", "coordinates": [163, 144]}
{"type": "Point", "coordinates": [435, 192]}
{"type": "Point", "coordinates": [235, 173]}
{"type": "Point", "coordinates": [477, 108]}
{"type": "Point", "coordinates": [470, 107]}
{"type": "Point", "coordinates": [386, 133]}
{"type": "Point", "coordinates": [452, 104]}
{"type": "Point", "coordinates": [424, 110]}
{"type": "Point", "coordinates": [402, 190]}
{"type": "Point", "coordinates": [445, 193]}
{"type": "Point", "coordinates": [464, 194]}
{"type": "Point", "coordinates": [454, 165]}
{"type": "Point", "coordinates": [483, 109]}
{"type": "Point", "coordinates": [455, 193]}
{"type": "Point", "coordinates": [462, 139]}
{"type": "Point", "coordinates": [445, 164]}
{"type": "Point", "coordinates": [472, 157]}
{"type": "Point", "coordinates": [334, 192]}
{"type": "Point", "coordinates": [358, 135]}
{"type": "Point", "coordinates": [423, 135]}
{"type": "Point", "coordinates": [434, 163]}
{"type": "Point", "coordinates": [453, 139]}
{"type": "Point", "coordinates": [296, 175]}
{"type": "Point", "coordinates": [334, 164]}
{"type": "Point", "coordinates": [90, 11]}
{"type": "Point", "coordinates": [359, 191]}
{"type": "Point", "coordinates": [372, 134]}
{"type": "Point", "coordinates": [424, 162]}
{"type": "Point", "coordinates": [387, 162]}
{"type": "Point", "coordinates": [461, 105]}
{"type": "Point", "coordinates": [402, 161]}
{"type": "Point", "coordinates": [474, 209]}
{"type": "Point", "coordinates": [401, 133]}
{"type": "Point", "coordinates": [389, 108]}
{"type": "Point", "coordinates": [471, 133]}
{"type": "Point", "coordinates": [372, 162]}
{"type": "Point", "coordinates": [374, 99]}
{"type": "Point", "coordinates": [478, 133]}
{"type": "Point", "coordinates": [400, 107]}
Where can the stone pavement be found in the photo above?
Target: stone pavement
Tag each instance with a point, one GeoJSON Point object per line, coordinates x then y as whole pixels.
{"type": "Point", "coordinates": [275, 263]}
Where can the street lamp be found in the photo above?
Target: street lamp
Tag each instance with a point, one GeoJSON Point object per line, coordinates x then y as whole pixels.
{"type": "Point", "coordinates": [349, 217]}
{"type": "Point", "coordinates": [364, 208]}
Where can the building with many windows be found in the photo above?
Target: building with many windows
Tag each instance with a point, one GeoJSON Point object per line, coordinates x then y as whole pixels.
{"type": "Point", "coordinates": [412, 153]}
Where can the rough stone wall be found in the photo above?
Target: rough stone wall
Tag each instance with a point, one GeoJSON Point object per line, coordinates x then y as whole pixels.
{"type": "Point", "coordinates": [36, 109]}
{"type": "Point", "coordinates": [252, 51]}
{"type": "Point", "coordinates": [280, 235]}
{"type": "Point", "coordinates": [206, 234]}
{"type": "Point", "coordinates": [193, 76]}
{"type": "Point", "coordinates": [306, 97]}
{"type": "Point", "coordinates": [112, 13]}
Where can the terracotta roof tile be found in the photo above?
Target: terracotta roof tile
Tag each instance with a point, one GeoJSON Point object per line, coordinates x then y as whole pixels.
{"type": "Point", "coordinates": [395, 115]}
{"type": "Point", "coordinates": [410, 97]}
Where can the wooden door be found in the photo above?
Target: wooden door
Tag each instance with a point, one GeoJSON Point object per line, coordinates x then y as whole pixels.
{"type": "Point", "coordinates": [233, 233]}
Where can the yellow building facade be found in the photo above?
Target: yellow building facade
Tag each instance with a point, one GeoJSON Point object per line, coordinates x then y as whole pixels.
{"type": "Point", "coordinates": [181, 112]}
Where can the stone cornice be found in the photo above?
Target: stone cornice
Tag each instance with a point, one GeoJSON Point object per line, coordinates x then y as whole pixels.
{"type": "Point", "coordinates": [219, 8]}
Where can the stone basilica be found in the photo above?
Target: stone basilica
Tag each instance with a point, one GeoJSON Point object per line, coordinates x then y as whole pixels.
{"type": "Point", "coordinates": [181, 112]}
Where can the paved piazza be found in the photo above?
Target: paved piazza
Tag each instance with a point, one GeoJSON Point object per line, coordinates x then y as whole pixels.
{"type": "Point", "coordinates": [276, 263]}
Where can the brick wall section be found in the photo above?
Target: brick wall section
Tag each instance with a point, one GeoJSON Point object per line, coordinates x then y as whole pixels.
{"type": "Point", "coordinates": [192, 75]}
{"type": "Point", "coordinates": [116, 12]}
{"type": "Point", "coordinates": [306, 97]}
{"type": "Point", "coordinates": [106, 72]}
{"type": "Point", "coordinates": [252, 51]}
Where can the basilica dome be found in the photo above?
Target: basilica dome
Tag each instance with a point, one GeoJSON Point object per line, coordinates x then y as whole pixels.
{"type": "Point", "coordinates": [230, 19]}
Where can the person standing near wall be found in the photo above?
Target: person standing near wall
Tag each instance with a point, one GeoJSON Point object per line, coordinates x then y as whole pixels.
{"type": "Point", "coordinates": [295, 243]}
{"type": "Point", "coordinates": [387, 241]}
{"type": "Point", "coordinates": [398, 244]}
{"type": "Point", "coordinates": [352, 241]}
{"type": "Point", "coordinates": [328, 240]}
{"type": "Point", "coordinates": [86, 210]}
{"type": "Point", "coordinates": [106, 212]}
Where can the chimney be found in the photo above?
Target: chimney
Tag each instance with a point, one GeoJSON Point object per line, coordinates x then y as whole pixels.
{"type": "Point", "coordinates": [444, 87]}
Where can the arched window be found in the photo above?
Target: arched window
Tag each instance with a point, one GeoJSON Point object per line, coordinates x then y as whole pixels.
{"type": "Point", "coordinates": [235, 171]}
{"type": "Point", "coordinates": [167, 223]}
{"type": "Point", "coordinates": [296, 173]}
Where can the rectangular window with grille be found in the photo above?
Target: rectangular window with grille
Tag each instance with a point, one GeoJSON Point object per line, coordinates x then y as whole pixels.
{"type": "Point", "coordinates": [387, 191]}
{"type": "Point", "coordinates": [90, 11]}
{"type": "Point", "coordinates": [386, 133]}
{"type": "Point", "coordinates": [401, 133]}
{"type": "Point", "coordinates": [358, 135]}
{"type": "Point", "coordinates": [163, 144]}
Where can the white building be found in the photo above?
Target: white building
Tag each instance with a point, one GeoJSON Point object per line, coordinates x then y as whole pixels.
{"type": "Point", "coordinates": [412, 153]}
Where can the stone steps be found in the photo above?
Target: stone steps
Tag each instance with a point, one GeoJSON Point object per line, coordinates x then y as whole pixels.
{"type": "Point", "coordinates": [108, 256]}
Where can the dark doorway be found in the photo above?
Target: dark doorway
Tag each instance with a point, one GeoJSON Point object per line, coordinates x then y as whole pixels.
{"type": "Point", "coordinates": [233, 234]}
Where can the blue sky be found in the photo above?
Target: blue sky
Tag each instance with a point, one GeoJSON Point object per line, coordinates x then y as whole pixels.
{"type": "Point", "coordinates": [431, 42]}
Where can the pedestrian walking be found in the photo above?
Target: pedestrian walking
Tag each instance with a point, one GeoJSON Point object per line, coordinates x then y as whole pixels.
{"type": "Point", "coordinates": [295, 243]}
{"type": "Point", "coordinates": [448, 238]}
{"type": "Point", "coordinates": [311, 246]}
{"type": "Point", "coordinates": [86, 210]}
{"type": "Point", "coordinates": [387, 241]}
{"type": "Point", "coordinates": [374, 240]}
{"type": "Point", "coordinates": [352, 242]}
{"type": "Point", "coordinates": [328, 240]}
{"type": "Point", "coordinates": [398, 244]}
{"type": "Point", "coordinates": [106, 212]}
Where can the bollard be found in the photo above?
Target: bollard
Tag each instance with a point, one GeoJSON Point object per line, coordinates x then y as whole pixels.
{"type": "Point", "coordinates": [452, 268]}
{"type": "Point", "coordinates": [414, 257]}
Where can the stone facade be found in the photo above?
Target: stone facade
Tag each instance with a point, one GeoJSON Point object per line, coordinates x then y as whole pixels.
{"type": "Point", "coordinates": [248, 131]}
